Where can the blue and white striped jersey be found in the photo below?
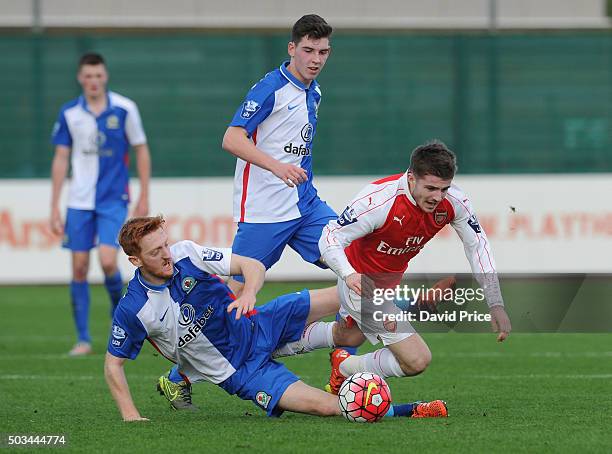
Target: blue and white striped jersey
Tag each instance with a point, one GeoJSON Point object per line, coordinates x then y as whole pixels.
{"type": "Point", "coordinates": [99, 149]}
{"type": "Point", "coordinates": [280, 115]}
{"type": "Point", "coordinates": [186, 319]}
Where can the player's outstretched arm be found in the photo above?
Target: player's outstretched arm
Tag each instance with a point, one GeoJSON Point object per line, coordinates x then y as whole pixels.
{"type": "Point", "coordinates": [117, 383]}
{"type": "Point", "coordinates": [254, 274]}
{"type": "Point", "coordinates": [143, 166]}
{"type": "Point", "coordinates": [237, 142]}
{"type": "Point", "coordinates": [480, 256]}
{"type": "Point", "coordinates": [59, 169]}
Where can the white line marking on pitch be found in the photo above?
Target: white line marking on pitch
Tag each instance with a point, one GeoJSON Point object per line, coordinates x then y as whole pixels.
{"type": "Point", "coordinates": [36, 338]}
{"type": "Point", "coordinates": [68, 377]}
{"type": "Point", "coordinates": [153, 377]}
{"type": "Point", "coordinates": [99, 356]}
{"type": "Point", "coordinates": [542, 376]}
{"type": "Point", "coordinates": [51, 356]}
{"type": "Point", "coordinates": [522, 355]}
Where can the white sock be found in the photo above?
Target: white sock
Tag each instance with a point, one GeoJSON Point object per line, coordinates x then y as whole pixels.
{"type": "Point", "coordinates": [380, 362]}
{"type": "Point", "coordinates": [316, 335]}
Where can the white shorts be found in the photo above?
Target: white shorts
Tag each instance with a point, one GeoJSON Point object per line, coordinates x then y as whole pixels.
{"type": "Point", "coordinates": [376, 326]}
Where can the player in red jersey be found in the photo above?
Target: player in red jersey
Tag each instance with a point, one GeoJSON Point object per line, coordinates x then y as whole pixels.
{"type": "Point", "coordinates": [379, 232]}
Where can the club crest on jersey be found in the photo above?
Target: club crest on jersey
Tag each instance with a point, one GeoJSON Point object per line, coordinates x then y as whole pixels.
{"type": "Point", "coordinates": [210, 255]}
{"type": "Point", "coordinates": [347, 217]}
{"type": "Point", "coordinates": [249, 108]}
{"type": "Point", "coordinates": [390, 326]}
{"type": "Point", "coordinates": [307, 131]}
{"type": "Point", "coordinates": [118, 336]}
{"type": "Point", "coordinates": [440, 217]}
{"type": "Point", "coordinates": [188, 284]}
{"type": "Point", "coordinates": [473, 223]}
{"type": "Point", "coordinates": [112, 122]}
{"type": "Point", "coordinates": [263, 399]}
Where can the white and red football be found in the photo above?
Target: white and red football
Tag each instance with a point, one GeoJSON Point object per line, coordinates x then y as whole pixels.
{"type": "Point", "coordinates": [364, 397]}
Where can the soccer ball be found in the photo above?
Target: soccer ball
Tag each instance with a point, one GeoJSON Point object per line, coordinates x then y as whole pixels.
{"type": "Point", "coordinates": [364, 397]}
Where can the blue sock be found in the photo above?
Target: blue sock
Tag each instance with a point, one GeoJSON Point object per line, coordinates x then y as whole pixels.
{"type": "Point", "coordinates": [114, 287]}
{"type": "Point", "coordinates": [79, 295]}
{"type": "Point", "coordinates": [351, 350]}
{"type": "Point", "coordinates": [174, 375]}
{"type": "Point", "coordinates": [400, 410]}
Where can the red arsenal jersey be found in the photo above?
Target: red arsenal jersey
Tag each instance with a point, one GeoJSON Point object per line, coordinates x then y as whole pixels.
{"type": "Point", "coordinates": [383, 228]}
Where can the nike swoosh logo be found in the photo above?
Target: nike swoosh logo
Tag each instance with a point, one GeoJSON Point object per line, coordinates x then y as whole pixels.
{"type": "Point", "coordinates": [163, 316]}
{"type": "Point", "coordinates": [371, 386]}
{"type": "Point", "coordinates": [292, 107]}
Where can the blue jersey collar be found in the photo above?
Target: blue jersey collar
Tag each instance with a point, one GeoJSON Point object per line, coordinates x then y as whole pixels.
{"type": "Point", "coordinates": [294, 81]}
{"type": "Point", "coordinates": [83, 103]}
{"type": "Point", "coordinates": [153, 287]}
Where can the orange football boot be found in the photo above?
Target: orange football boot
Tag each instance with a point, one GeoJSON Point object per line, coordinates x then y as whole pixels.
{"type": "Point", "coordinates": [433, 409]}
{"type": "Point", "coordinates": [336, 378]}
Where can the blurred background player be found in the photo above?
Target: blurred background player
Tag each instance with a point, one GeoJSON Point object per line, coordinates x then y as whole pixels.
{"type": "Point", "coordinates": [379, 232]}
{"type": "Point", "coordinates": [271, 134]}
{"type": "Point", "coordinates": [94, 133]}
{"type": "Point", "coordinates": [177, 303]}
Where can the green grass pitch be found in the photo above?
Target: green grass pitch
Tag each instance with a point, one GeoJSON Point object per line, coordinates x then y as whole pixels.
{"type": "Point", "coordinates": [533, 393]}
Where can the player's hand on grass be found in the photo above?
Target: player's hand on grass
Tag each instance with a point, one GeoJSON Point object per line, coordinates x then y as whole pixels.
{"type": "Point", "coordinates": [290, 174]}
{"type": "Point", "coordinates": [135, 418]}
{"type": "Point", "coordinates": [141, 208]}
{"type": "Point", "coordinates": [243, 305]}
{"type": "Point", "coordinates": [55, 222]}
{"type": "Point", "coordinates": [500, 322]}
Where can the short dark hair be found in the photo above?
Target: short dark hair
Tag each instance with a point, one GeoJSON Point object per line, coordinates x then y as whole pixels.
{"type": "Point", "coordinates": [135, 229]}
{"type": "Point", "coordinates": [433, 158]}
{"type": "Point", "coordinates": [91, 58]}
{"type": "Point", "coordinates": [311, 26]}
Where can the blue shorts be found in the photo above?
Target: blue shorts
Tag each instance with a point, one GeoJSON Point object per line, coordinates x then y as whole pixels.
{"type": "Point", "coordinates": [84, 227]}
{"type": "Point", "coordinates": [261, 379]}
{"type": "Point", "coordinates": [266, 241]}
